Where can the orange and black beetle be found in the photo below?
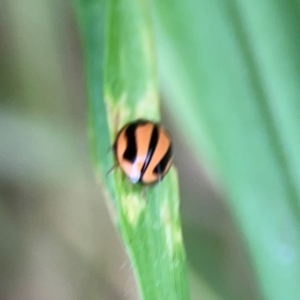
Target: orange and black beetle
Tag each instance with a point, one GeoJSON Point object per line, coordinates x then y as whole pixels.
{"type": "Point", "coordinates": [143, 150]}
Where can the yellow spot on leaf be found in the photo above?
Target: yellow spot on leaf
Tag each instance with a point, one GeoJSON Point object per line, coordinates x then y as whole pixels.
{"type": "Point", "coordinates": [148, 106]}
{"type": "Point", "coordinates": [133, 206]}
{"type": "Point", "coordinates": [172, 231]}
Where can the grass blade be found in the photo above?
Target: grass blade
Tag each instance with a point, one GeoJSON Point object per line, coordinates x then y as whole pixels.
{"type": "Point", "coordinates": [150, 225]}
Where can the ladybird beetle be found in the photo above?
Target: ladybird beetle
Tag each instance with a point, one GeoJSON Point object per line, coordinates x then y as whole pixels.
{"type": "Point", "coordinates": [143, 150]}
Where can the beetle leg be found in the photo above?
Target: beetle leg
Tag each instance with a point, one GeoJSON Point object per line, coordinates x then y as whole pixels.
{"type": "Point", "coordinates": [159, 175]}
{"type": "Point", "coordinates": [110, 148]}
{"type": "Point", "coordinates": [143, 192]}
{"type": "Point", "coordinates": [111, 169]}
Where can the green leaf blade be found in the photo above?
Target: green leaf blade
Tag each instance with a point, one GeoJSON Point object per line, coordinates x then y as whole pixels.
{"type": "Point", "coordinates": [149, 221]}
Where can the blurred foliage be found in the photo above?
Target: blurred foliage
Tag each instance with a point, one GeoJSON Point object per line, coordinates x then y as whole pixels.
{"type": "Point", "coordinates": [229, 73]}
{"type": "Point", "coordinates": [232, 68]}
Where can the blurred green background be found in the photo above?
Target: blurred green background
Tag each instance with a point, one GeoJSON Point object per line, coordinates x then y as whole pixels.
{"type": "Point", "coordinates": [56, 238]}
